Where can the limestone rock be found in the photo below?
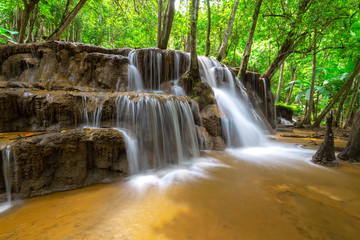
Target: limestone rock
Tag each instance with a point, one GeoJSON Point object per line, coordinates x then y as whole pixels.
{"type": "Point", "coordinates": [67, 160]}
{"type": "Point", "coordinates": [211, 118]}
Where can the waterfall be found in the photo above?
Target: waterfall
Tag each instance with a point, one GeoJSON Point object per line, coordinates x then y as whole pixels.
{"type": "Point", "coordinates": [6, 158]}
{"type": "Point", "coordinates": [163, 126]}
{"type": "Point", "coordinates": [135, 81]}
{"type": "Point", "coordinates": [176, 89]}
{"type": "Point", "coordinates": [239, 127]}
{"type": "Point", "coordinates": [132, 151]}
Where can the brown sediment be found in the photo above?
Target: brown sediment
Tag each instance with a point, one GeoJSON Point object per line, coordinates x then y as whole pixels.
{"type": "Point", "coordinates": [246, 201]}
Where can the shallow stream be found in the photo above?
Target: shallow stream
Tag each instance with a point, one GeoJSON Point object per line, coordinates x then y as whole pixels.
{"type": "Point", "coordinates": [271, 192]}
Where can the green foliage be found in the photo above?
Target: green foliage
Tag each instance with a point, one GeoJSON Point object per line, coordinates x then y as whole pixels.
{"type": "Point", "coordinates": [5, 35]}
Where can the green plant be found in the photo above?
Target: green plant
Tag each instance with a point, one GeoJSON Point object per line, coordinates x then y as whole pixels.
{"type": "Point", "coordinates": [4, 33]}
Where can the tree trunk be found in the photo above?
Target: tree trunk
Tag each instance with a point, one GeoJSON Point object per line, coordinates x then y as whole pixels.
{"type": "Point", "coordinates": [348, 82]}
{"type": "Point", "coordinates": [66, 12]}
{"type": "Point", "coordinates": [340, 107]}
{"type": "Point", "coordinates": [247, 51]}
{"type": "Point", "coordinates": [352, 149]}
{"type": "Point", "coordinates": [160, 7]}
{"type": "Point", "coordinates": [28, 8]}
{"type": "Point", "coordinates": [208, 28]}
{"type": "Point", "coordinates": [326, 153]}
{"type": "Point", "coordinates": [307, 119]}
{"type": "Point", "coordinates": [193, 76]}
{"type": "Point", "coordinates": [293, 73]}
{"type": "Point", "coordinates": [33, 19]}
{"type": "Point", "coordinates": [280, 83]}
{"type": "Point", "coordinates": [62, 28]}
{"type": "Point", "coordinates": [167, 25]}
{"type": "Point", "coordinates": [228, 32]}
{"type": "Point", "coordinates": [194, 66]}
{"type": "Point", "coordinates": [352, 102]}
{"type": "Point", "coordinates": [40, 30]}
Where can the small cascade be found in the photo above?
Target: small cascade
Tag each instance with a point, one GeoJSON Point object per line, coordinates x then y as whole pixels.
{"type": "Point", "coordinates": [135, 81]}
{"type": "Point", "coordinates": [176, 89]}
{"type": "Point", "coordinates": [6, 158]}
{"type": "Point", "coordinates": [163, 126]}
{"type": "Point", "coordinates": [238, 124]}
{"type": "Point", "coordinates": [91, 118]}
{"type": "Point", "coordinates": [265, 97]}
{"type": "Point", "coordinates": [132, 151]}
{"type": "Point", "coordinates": [150, 66]}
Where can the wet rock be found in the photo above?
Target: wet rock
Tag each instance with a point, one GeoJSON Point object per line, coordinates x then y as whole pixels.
{"type": "Point", "coordinates": [211, 118]}
{"type": "Point", "coordinates": [27, 110]}
{"type": "Point", "coordinates": [204, 139]}
{"type": "Point", "coordinates": [64, 64]}
{"type": "Point", "coordinates": [218, 143]}
{"type": "Point", "coordinates": [259, 92]}
{"type": "Point", "coordinates": [203, 94]}
{"type": "Point", "coordinates": [67, 160]}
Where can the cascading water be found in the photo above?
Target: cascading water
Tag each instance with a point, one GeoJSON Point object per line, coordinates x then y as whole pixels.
{"type": "Point", "coordinates": [238, 124]}
{"type": "Point", "coordinates": [6, 157]}
{"type": "Point", "coordinates": [163, 126]}
{"type": "Point", "coordinates": [176, 89]}
{"type": "Point", "coordinates": [135, 82]}
{"type": "Point", "coordinates": [92, 118]}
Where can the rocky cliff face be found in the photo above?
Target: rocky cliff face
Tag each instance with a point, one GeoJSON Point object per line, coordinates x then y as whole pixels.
{"type": "Point", "coordinates": [66, 160]}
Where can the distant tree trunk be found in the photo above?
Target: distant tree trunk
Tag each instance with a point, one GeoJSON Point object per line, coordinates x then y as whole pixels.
{"type": "Point", "coordinates": [33, 18]}
{"type": "Point", "coordinates": [307, 119]}
{"type": "Point", "coordinates": [72, 33]}
{"type": "Point", "coordinates": [66, 12]}
{"type": "Point", "coordinates": [62, 28]}
{"type": "Point", "coordinates": [160, 7]}
{"type": "Point", "coordinates": [293, 73]}
{"type": "Point", "coordinates": [280, 83]}
{"type": "Point", "coordinates": [247, 51]}
{"type": "Point", "coordinates": [28, 8]}
{"type": "Point", "coordinates": [194, 66]}
{"type": "Point", "coordinates": [352, 149]}
{"type": "Point", "coordinates": [208, 28]}
{"type": "Point", "coordinates": [340, 107]}
{"type": "Point", "coordinates": [167, 25]}
{"type": "Point", "coordinates": [348, 82]}
{"type": "Point", "coordinates": [40, 30]}
{"type": "Point", "coordinates": [228, 32]}
{"type": "Point", "coordinates": [352, 102]}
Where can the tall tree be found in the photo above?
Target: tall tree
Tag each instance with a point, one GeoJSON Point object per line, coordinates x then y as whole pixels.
{"type": "Point", "coordinates": [194, 65]}
{"type": "Point", "coordinates": [163, 39]}
{"type": "Point", "coordinates": [208, 28]}
{"type": "Point", "coordinates": [57, 33]}
{"type": "Point", "coordinates": [307, 118]}
{"type": "Point", "coordinates": [224, 43]}
{"type": "Point", "coordinates": [247, 51]}
{"type": "Point", "coordinates": [293, 74]}
{"type": "Point", "coordinates": [29, 6]}
{"type": "Point", "coordinates": [281, 75]}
